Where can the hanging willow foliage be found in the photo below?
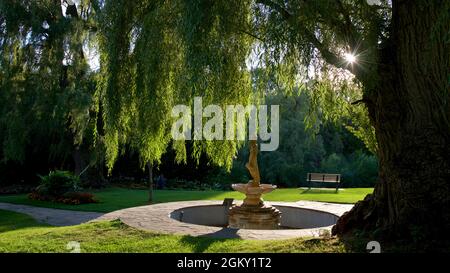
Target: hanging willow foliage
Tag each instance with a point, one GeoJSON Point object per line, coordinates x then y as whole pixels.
{"type": "Point", "coordinates": [158, 54]}
{"type": "Point", "coordinates": [45, 84]}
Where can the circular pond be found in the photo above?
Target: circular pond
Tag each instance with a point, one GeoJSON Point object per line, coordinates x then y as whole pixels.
{"type": "Point", "coordinates": [291, 217]}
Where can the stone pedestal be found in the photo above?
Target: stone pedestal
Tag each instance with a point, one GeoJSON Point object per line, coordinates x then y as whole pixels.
{"type": "Point", "coordinates": [253, 214]}
{"type": "Point", "coordinates": [249, 217]}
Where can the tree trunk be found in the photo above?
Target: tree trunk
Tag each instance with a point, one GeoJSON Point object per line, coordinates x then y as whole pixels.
{"type": "Point", "coordinates": [408, 105]}
{"type": "Point", "coordinates": [79, 161]}
{"type": "Point", "coordinates": [150, 182]}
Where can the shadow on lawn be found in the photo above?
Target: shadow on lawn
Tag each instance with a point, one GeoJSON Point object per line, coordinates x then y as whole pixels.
{"type": "Point", "coordinates": [15, 221]}
{"type": "Point", "coordinates": [201, 243]}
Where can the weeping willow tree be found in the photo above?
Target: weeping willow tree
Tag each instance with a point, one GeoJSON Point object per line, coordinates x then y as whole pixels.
{"type": "Point", "coordinates": [156, 54]}
{"type": "Point", "coordinates": [384, 65]}
{"type": "Point", "coordinates": [46, 88]}
{"type": "Point", "coordinates": [159, 54]}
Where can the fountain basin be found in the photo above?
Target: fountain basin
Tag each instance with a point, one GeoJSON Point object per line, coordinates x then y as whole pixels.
{"type": "Point", "coordinates": [164, 218]}
{"type": "Point", "coordinates": [253, 193]}
{"type": "Point", "coordinates": [291, 217]}
{"type": "Point", "coordinates": [247, 188]}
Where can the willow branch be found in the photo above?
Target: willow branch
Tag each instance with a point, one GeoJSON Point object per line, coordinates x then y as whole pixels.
{"type": "Point", "coordinates": [329, 56]}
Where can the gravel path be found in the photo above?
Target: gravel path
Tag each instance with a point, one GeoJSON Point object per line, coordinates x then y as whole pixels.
{"type": "Point", "coordinates": [54, 217]}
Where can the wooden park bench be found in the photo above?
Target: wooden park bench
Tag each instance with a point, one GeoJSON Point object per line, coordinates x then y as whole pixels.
{"type": "Point", "coordinates": [323, 178]}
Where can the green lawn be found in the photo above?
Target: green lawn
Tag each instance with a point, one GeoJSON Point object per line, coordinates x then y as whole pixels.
{"type": "Point", "coordinates": [118, 198]}
{"type": "Point", "coordinates": [20, 233]}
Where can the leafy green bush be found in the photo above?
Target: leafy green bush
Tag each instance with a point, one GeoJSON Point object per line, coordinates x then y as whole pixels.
{"type": "Point", "coordinates": [57, 183]}
{"type": "Point", "coordinates": [61, 187]}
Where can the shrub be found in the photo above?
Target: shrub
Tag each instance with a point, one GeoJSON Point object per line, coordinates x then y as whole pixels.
{"type": "Point", "coordinates": [36, 196]}
{"type": "Point", "coordinates": [182, 184]}
{"type": "Point", "coordinates": [57, 183]}
{"type": "Point", "coordinates": [77, 198]}
{"type": "Point", "coordinates": [62, 187]}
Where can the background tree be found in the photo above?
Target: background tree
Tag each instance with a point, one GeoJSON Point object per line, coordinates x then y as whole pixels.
{"type": "Point", "coordinates": [46, 85]}
{"type": "Point", "coordinates": [330, 147]}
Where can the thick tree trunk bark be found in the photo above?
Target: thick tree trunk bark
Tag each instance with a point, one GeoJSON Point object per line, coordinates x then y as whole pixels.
{"type": "Point", "coordinates": [408, 105]}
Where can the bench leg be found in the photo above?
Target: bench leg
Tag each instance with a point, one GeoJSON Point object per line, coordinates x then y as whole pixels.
{"type": "Point", "coordinates": [337, 187]}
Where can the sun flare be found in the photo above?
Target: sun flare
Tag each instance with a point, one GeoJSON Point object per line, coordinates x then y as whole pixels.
{"type": "Point", "coordinates": [350, 58]}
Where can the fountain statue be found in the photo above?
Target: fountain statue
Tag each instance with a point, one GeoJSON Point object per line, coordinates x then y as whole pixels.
{"type": "Point", "coordinates": [253, 213]}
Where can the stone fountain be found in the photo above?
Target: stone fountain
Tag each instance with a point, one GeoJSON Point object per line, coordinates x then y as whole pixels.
{"type": "Point", "coordinates": [253, 213]}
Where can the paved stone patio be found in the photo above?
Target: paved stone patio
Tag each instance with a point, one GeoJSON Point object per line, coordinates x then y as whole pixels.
{"type": "Point", "coordinates": [156, 218]}
{"type": "Point", "coordinates": [54, 217]}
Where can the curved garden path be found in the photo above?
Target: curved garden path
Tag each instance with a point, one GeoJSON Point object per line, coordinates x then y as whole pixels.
{"type": "Point", "coordinates": [54, 217]}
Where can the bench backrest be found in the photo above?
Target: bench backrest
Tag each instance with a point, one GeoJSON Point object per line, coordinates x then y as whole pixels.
{"type": "Point", "coordinates": [323, 177]}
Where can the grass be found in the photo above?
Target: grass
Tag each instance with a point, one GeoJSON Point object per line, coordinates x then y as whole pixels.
{"type": "Point", "coordinates": [112, 199]}
{"type": "Point", "coordinates": [15, 221]}
{"type": "Point", "coordinates": [20, 233]}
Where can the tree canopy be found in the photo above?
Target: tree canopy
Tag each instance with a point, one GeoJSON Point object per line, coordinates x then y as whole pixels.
{"type": "Point", "coordinates": [45, 85]}
{"type": "Point", "coordinates": [157, 54]}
